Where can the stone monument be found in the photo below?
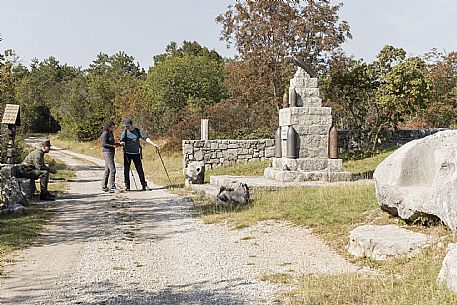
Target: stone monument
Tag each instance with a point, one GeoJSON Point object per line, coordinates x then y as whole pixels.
{"type": "Point", "coordinates": [303, 137]}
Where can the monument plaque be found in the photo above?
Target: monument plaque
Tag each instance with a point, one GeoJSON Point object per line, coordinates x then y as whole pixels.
{"type": "Point", "coordinates": [12, 115]}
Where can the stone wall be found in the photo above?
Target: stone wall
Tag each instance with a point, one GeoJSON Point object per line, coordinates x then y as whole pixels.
{"type": "Point", "coordinates": [216, 153]}
{"type": "Point", "coordinates": [349, 139]}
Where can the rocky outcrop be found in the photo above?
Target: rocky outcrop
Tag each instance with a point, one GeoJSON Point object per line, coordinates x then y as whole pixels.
{"type": "Point", "coordinates": [14, 190]}
{"type": "Point", "coordinates": [420, 179]}
{"type": "Point", "coordinates": [384, 242]}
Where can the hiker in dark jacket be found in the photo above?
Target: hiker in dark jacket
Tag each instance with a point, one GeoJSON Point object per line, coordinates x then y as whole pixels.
{"type": "Point", "coordinates": [108, 150]}
{"type": "Point", "coordinates": [33, 167]}
{"type": "Point", "coordinates": [130, 138]}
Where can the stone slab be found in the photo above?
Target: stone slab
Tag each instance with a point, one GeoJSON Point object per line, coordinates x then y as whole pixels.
{"type": "Point", "coordinates": [383, 242]}
{"type": "Point", "coordinates": [300, 176]}
{"type": "Point", "coordinates": [307, 164]}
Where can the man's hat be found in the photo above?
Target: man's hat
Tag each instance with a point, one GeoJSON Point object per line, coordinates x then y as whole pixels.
{"type": "Point", "coordinates": [46, 143]}
{"type": "Point", "coordinates": [128, 122]}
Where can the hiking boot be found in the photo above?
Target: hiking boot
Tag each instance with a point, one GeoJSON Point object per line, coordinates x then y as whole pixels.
{"type": "Point", "coordinates": [50, 194]}
{"type": "Point", "coordinates": [114, 190]}
{"type": "Point", "coordinates": [145, 188]}
{"type": "Point", "coordinates": [47, 197]}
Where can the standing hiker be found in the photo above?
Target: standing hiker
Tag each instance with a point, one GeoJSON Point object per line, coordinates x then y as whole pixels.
{"type": "Point", "coordinates": [33, 167]}
{"type": "Point", "coordinates": [109, 149]}
{"type": "Point", "coordinates": [130, 137]}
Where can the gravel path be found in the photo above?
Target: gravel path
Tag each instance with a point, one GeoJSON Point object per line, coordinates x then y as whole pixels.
{"type": "Point", "coordinates": [148, 248]}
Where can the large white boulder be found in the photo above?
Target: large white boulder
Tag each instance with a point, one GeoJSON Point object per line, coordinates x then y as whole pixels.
{"type": "Point", "coordinates": [420, 178]}
{"type": "Point", "coordinates": [448, 272]}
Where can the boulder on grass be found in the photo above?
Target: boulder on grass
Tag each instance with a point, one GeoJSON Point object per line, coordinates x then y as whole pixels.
{"type": "Point", "coordinates": [195, 173]}
{"type": "Point", "coordinates": [234, 196]}
{"type": "Point", "coordinates": [420, 179]}
{"type": "Point", "coordinates": [383, 242]}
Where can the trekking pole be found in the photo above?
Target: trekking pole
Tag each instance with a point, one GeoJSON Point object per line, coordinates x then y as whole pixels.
{"type": "Point", "coordinates": [134, 181]}
{"type": "Point", "coordinates": [166, 172]}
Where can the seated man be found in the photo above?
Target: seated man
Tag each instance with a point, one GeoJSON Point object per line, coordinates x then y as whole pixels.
{"type": "Point", "coordinates": [33, 167]}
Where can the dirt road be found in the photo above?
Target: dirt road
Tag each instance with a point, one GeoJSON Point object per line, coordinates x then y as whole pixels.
{"type": "Point", "coordinates": [148, 248]}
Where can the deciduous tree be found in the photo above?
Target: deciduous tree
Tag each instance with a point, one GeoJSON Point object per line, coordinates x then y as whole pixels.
{"type": "Point", "coordinates": [267, 32]}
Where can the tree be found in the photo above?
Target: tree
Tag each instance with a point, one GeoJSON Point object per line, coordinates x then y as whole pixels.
{"type": "Point", "coordinates": [188, 48]}
{"type": "Point", "coordinates": [348, 87]}
{"type": "Point", "coordinates": [183, 82]}
{"type": "Point", "coordinates": [116, 65]}
{"type": "Point", "coordinates": [40, 94]}
{"type": "Point", "coordinates": [100, 93]}
{"type": "Point", "coordinates": [372, 97]}
{"type": "Point", "coordinates": [267, 32]}
{"type": "Point", "coordinates": [441, 109]}
{"type": "Point", "coordinates": [402, 91]}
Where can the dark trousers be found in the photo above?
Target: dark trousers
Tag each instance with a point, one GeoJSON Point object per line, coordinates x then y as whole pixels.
{"type": "Point", "coordinates": [128, 158]}
{"type": "Point", "coordinates": [34, 174]}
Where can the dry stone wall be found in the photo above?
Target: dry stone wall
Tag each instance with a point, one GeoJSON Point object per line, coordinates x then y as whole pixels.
{"type": "Point", "coordinates": [349, 139]}
{"type": "Point", "coordinates": [216, 153]}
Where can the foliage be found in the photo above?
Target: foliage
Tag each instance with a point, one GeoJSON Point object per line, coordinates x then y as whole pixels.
{"type": "Point", "coordinates": [441, 110]}
{"type": "Point", "coordinates": [348, 87]}
{"type": "Point", "coordinates": [188, 48]}
{"type": "Point", "coordinates": [184, 81]}
{"type": "Point", "coordinates": [372, 97]}
{"type": "Point", "coordinates": [266, 33]}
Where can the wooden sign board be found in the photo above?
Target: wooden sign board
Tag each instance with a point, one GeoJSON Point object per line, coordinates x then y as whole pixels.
{"type": "Point", "coordinates": [12, 115]}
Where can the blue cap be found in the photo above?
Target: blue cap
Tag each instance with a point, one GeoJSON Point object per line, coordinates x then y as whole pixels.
{"type": "Point", "coordinates": [128, 122]}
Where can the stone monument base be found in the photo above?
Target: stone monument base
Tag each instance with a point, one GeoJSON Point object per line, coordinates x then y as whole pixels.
{"type": "Point", "coordinates": [306, 169]}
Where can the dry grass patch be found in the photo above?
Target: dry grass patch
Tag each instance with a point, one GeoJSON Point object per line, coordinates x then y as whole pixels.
{"type": "Point", "coordinates": [403, 281]}
{"type": "Point", "coordinates": [329, 211]}
{"type": "Point", "coordinates": [152, 165]}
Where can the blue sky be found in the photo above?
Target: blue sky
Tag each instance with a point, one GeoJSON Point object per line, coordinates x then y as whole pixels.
{"type": "Point", "coordinates": [76, 31]}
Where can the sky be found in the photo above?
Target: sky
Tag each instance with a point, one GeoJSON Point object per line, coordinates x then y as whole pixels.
{"type": "Point", "coordinates": [76, 31]}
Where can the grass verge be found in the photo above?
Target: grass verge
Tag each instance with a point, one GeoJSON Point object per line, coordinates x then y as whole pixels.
{"type": "Point", "coordinates": [18, 231]}
{"type": "Point", "coordinates": [365, 168]}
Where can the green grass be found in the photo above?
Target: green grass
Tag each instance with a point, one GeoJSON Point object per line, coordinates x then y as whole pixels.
{"type": "Point", "coordinates": [58, 183]}
{"type": "Point", "coordinates": [17, 231]}
{"type": "Point", "coordinates": [364, 168]}
{"type": "Point", "coordinates": [247, 169]}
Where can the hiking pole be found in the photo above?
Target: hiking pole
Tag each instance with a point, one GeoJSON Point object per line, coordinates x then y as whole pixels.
{"type": "Point", "coordinates": [133, 177]}
{"type": "Point", "coordinates": [166, 172]}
